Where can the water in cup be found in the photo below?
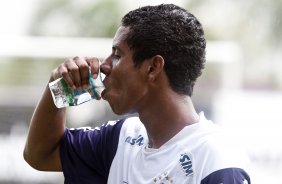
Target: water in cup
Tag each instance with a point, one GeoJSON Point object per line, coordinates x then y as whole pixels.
{"type": "Point", "coordinates": [64, 96]}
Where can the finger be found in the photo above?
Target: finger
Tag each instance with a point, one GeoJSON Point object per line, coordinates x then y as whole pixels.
{"type": "Point", "coordinates": [84, 71]}
{"type": "Point", "coordinates": [74, 72]}
{"type": "Point", "coordinates": [94, 66]}
{"type": "Point", "coordinates": [69, 80]}
{"type": "Point", "coordinates": [62, 71]}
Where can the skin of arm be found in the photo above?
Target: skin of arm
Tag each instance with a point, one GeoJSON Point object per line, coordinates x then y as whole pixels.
{"type": "Point", "coordinates": [45, 132]}
{"type": "Point", "coordinates": [47, 126]}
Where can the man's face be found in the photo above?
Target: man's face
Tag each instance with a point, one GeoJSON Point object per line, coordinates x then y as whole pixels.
{"type": "Point", "coordinates": [125, 83]}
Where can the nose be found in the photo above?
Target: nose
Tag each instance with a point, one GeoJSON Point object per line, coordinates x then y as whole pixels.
{"type": "Point", "coordinates": [106, 66]}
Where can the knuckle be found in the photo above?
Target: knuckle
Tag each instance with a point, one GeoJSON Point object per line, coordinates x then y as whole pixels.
{"type": "Point", "coordinates": [83, 65]}
{"type": "Point", "coordinates": [67, 62]}
{"type": "Point", "coordinates": [76, 58]}
{"type": "Point", "coordinates": [62, 69]}
{"type": "Point", "coordinates": [73, 69]}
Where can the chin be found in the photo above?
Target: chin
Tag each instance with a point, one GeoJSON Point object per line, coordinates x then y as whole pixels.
{"type": "Point", "coordinates": [122, 112]}
{"type": "Point", "coordinates": [116, 109]}
{"type": "Point", "coordinates": [118, 112]}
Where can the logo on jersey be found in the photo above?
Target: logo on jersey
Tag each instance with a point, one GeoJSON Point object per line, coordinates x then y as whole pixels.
{"type": "Point", "coordinates": [164, 178]}
{"type": "Point", "coordinates": [186, 164]}
{"type": "Point", "coordinates": [135, 141]}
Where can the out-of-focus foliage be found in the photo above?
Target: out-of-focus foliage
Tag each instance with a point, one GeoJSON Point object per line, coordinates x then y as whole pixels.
{"type": "Point", "coordinates": [26, 71]}
{"type": "Point", "coordinates": [256, 25]}
{"type": "Point", "coordinates": [76, 18]}
{"type": "Point", "coordinates": [257, 20]}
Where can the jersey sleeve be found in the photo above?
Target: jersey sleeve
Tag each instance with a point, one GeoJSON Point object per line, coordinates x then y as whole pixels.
{"type": "Point", "coordinates": [87, 153]}
{"type": "Point", "coordinates": [227, 175]}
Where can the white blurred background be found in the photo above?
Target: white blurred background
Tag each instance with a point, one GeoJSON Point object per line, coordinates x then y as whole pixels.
{"type": "Point", "coordinates": [240, 88]}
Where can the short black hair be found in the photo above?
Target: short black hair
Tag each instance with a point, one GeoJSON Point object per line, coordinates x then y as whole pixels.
{"type": "Point", "coordinates": [175, 34]}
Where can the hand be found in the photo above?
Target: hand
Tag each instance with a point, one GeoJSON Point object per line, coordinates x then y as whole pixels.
{"type": "Point", "coordinates": [75, 71]}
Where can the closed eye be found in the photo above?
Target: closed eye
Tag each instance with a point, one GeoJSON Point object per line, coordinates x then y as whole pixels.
{"type": "Point", "coordinates": [115, 59]}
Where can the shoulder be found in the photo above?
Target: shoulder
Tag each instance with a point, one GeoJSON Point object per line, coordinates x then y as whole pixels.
{"type": "Point", "coordinates": [222, 151]}
{"type": "Point", "coordinates": [219, 155]}
{"type": "Point", "coordinates": [90, 151]}
{"type": "Point", "coordinates": [108, 129]}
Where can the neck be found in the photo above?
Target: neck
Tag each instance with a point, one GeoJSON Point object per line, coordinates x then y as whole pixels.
{"type": "Point", "coordinates": [167, 116]}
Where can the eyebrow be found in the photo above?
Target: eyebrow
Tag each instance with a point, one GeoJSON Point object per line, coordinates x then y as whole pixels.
{"type": "Point", "coordinates": [115, 47]}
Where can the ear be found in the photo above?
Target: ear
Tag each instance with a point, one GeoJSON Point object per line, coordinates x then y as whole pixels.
{"type": "Point", "coordinates": [155, 67]}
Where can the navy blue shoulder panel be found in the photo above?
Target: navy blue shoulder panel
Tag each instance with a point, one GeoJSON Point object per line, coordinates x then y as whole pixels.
{"type": "Point", "coordinates": [227, 176]}
{"type": "Point", "coordinates": [110, 137]}
{"type": "Point", "coordinates": [87, 153]}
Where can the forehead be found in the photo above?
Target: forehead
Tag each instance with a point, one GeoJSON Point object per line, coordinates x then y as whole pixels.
{"type": "Point", "coordinates": [120, 36]}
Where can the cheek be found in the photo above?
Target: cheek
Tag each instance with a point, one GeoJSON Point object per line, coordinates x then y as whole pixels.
{"type": "Point", "coordinates": [128, 81]}
{"type": "Point", "coordinates": [129, 93]}
{"type": "Point", "coordinates": [133, 90]}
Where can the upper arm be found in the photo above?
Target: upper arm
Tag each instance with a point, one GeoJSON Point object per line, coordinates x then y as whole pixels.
{"type": "Point", "coordinates": [50, 162]}
{"type": "Point", "coordinates": [53, 162]}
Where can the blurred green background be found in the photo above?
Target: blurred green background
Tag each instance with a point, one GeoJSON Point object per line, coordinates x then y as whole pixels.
{"type": "Point", "coordinates": [239, 89]}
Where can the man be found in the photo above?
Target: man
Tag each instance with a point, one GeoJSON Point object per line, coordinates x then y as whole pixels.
{"type": "Point", "coordinates": [158, 53]}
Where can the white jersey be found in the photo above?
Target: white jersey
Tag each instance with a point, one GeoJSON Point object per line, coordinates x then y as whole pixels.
{"type": "Point", "coordinates": [199, 154]}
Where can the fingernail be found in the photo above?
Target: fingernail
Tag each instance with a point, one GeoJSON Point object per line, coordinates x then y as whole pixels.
{"type": "Point", "coordinates": [95, 76]}
{"type": "Point", "coordinates": [85, 86]}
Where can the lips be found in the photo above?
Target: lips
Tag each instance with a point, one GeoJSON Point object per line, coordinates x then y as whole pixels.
{"type": "Point", "coordinates": [105, 85]}
{"type": "Point", "coordinates": [103, 93]}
